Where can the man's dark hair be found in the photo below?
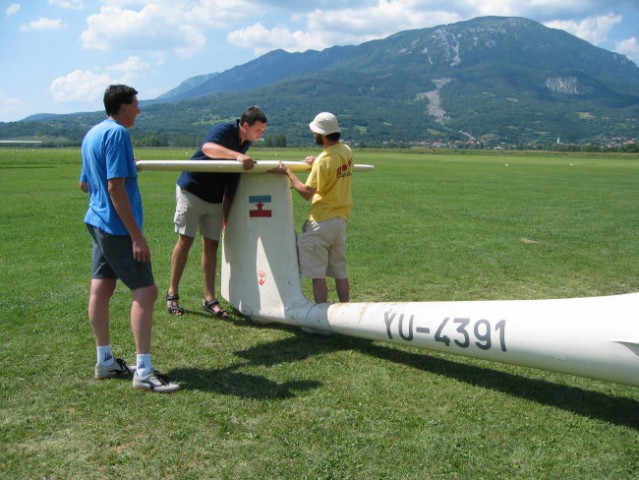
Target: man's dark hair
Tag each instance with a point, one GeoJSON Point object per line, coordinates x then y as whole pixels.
{"type": "Point", "coordinates": [252, 115]}
{"type": "Point", "coordinates": [334, 137]}
{"type": "Point", "coordinates": [117, 95]}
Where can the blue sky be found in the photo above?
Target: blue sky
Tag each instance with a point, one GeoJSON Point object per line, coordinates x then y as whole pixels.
{"type": "Point", "coordinates": [57, 56]}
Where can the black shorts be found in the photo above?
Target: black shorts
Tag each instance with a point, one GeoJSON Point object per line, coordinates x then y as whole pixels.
{"type": "Point", "coordinates": [112, 258]}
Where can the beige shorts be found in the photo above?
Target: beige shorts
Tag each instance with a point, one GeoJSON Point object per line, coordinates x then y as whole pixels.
{"type": "Point", "coordinates": [193, 214]}
{"type": "Point", "coordinates": [322, 249]}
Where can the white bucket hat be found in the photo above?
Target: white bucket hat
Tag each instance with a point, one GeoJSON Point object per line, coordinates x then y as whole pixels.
{"type": "Point", "coordinates": [324, 123]}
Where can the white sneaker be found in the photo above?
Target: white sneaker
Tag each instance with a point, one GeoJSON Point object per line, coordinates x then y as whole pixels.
{"type": "Point", "coordinates": [154, 382]}
{"type": "Point", "coordinates": [119, 369]}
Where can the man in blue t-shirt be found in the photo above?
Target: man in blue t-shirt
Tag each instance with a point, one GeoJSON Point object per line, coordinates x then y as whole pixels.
{"type": "Point", "coordinates": [120, 251]}
{"type": "Point", "coordinates": [203, 200]}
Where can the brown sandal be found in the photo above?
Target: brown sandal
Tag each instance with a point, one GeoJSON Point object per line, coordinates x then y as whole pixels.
{"type": "Point", "coordinates": [172, 305]}
{"type": "Point", "coordinates": [210, 308]}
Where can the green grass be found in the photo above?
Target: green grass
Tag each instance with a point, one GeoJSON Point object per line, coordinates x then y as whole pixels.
{"type": "Point", "coordinates": [271, 402]}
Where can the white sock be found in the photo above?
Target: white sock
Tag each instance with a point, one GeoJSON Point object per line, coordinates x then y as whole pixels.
{"type": "Point", "coordinates": [143, 364]}
{"type": "Point", "coordinates": [104, 355]}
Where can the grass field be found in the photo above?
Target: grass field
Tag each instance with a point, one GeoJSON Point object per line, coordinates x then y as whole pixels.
{"type": "Point", "coordinates": [274, 403]}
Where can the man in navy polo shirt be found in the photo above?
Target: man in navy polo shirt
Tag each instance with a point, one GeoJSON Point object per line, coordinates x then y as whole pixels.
{"type": "Point", "coordinates": [203, 200]}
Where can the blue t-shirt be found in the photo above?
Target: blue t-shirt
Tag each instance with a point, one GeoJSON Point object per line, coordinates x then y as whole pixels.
{"type": "Point", "coordinates": [210, 186]}
{"type": "Point", "coordinates": [107, 153]}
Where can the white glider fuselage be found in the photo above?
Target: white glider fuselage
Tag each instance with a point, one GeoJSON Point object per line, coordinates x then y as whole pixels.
{"type": "Point", "coordinates": [595, 337]}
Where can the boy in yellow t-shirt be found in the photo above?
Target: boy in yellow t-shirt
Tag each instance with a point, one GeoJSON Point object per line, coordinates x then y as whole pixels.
{"type": "Point", "coordinates": [322, 244]}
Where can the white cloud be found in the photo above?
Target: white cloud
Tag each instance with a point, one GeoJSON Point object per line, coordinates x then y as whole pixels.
{"type": "Point", "coordinates": [126, 3]}
{"type": "Point", "coordinates": [12, 9]}
{"type": "Point", "coordinates": [594, 29]}
{"type": "Point", "coordinates": [529, 8]}
{"type": "Point", "coordinates": [355, 22]}
{"type": "Point", "coordinates": [11, 107]}
{"type": "Point", "coordinates": [148, 29]}
{"type": "Point", "coordinates": [130, 65]}
{"type": "Point", "coordinates": [89, 85]}
{"type": "Point", "coordinates": [79, 86]}
{"type": "Point", "coordinates": [262, 39]}
{"type": "Point", "coordinates": [217, 13]}
{"type": "Point", "coordinates": [73, 4]}
{"type": "Point", "coordinates": [182, 26]}
{"type": "Point", "coordinates": [52, 24]}
{"type": "Point", "coordinates": [504, 8]}
{"type": "Point", "coordinates": [348, 26]}
{"type": "Point", "coordinates": [163, 25]}
{"type": "Point", "coordinates": [629, 48]}
{"type": "Point", "coordinates": [130, 70]}
{"type": "Point", "coordinates": [384, 18]}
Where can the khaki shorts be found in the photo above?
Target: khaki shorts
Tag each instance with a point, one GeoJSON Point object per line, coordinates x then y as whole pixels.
{"type": "Point", "coordinates": [322, 249]}
{"type": "Point", "coordinates": [193, 214]}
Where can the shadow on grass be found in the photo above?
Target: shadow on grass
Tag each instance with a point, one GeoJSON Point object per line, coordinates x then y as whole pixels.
{"type": "Point", "coordinates": [591, 404]}
{"type": "Point", "coordinates": [600, 406]}
{"type": "Point", "coordinates": [197, 313]}
{"type": "Point", "coordinates": [227, 381]}
{"type": "Point", "coordinates": [300, 346]}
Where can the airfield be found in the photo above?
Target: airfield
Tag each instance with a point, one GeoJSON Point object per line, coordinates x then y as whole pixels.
{"type": "Point", "coordinates": [273, 402]}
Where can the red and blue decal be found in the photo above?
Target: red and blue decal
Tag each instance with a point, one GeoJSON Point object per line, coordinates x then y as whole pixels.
{"type": "Point", "coordinates": [259, 201]}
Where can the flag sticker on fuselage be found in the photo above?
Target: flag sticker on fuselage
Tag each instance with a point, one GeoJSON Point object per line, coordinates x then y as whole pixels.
{"type": "Point", "coordinates": [259, 201]}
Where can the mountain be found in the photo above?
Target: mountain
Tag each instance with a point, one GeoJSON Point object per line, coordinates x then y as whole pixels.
{"type": "Point", "coordinates": [188, 86]}
{"type": "Point", "coordinates": [491, 81]}
{"type": "Point", "coordinates": [270, 68]}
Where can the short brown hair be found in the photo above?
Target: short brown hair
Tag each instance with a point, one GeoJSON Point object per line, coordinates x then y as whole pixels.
{"type": "Point", "coordinates": [117, 95]}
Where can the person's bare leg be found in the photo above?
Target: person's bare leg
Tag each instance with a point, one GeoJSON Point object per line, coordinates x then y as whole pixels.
{"type": "Point", "coordinates": [142, 317]}
{"type": "Point", "coordinates": [343, 289]}
{"type": "Point", "coordinates": [209, 267]}
{"type": "Point", "coordinates": [98, 309]}
{"type": "Point", "coordinates": [209, 271]}
{"type": "Point", "coordinates": [178, 262]}
{"type": "Point", "coordinates": [320, 290]}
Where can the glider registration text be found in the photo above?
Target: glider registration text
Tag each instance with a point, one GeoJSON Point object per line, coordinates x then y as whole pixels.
{"type": "Point", "coordinates": [462, 332]}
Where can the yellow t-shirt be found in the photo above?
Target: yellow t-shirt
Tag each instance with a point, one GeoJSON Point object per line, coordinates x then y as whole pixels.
{"type": "Point", "coordinates": [331, 177]}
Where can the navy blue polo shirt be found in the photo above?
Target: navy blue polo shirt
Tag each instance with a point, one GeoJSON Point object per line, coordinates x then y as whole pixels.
{"type": "Point", "coordinates": [210, 186]}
